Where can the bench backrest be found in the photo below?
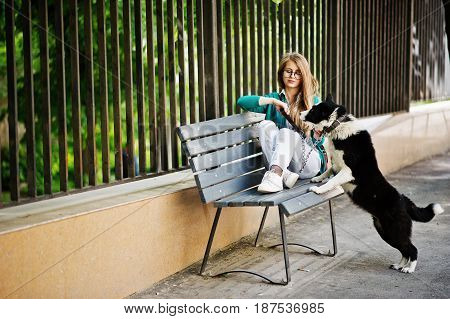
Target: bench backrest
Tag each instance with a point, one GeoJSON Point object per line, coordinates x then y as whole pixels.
{"type": "Point", "coordinates": [224, 153]}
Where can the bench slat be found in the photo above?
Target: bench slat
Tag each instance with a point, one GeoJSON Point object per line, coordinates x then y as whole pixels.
{"type": "Point", "coordinates": [220, 125]}
{"type": "Point", "coordinates": [254, 198]}
{"type": "Point", "coordinates": [227, 155]}
{"type": "Point", "coordinates": [224, 189]}
{"type": "Point", "coordinates": [308, 200]}
{"type": "Point", "coordinates": [226, 172]}
{"type": "Point", "coordinates": [214, 142]}
{"type": "Point", "coordinates": [237, 200]}
{"type": "Point", "coordinates": [273, 199]}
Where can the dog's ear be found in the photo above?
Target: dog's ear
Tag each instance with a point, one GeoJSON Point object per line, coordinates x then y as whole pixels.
{"type": "Point", "coordinates": [341, 110]}
{"type": "Point", "coordinates": [329, 98]}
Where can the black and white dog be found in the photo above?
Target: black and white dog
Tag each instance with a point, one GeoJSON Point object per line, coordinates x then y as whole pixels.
{"type": "Point", "coordinates": [355, 168]}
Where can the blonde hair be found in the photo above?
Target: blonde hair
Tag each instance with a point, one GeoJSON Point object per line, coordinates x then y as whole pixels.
{"type": "Point", "coordinates": [308, 86]}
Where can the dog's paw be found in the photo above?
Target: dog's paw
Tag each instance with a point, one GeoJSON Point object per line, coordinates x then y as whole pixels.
{"type": "Point", "coordinates": [403, 262]}
{"type": "Point", "coordinates": [395, 266]}
{"type": "Point", "coordinates": [317, 190]}
{"type": "Point", "coordinates": [409, 267]}
{"type": "Point", "coordinates": [316, 179]}
{"type": "Point", "coordinates": [407, 270]}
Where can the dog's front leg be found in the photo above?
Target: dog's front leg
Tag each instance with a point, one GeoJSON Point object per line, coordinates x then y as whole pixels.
{"type": "Point", "coordinates": [344, 176]}
{"type": "Point", "coordinates": [321, 177]}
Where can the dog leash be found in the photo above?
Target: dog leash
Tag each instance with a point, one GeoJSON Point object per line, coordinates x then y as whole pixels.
{"type": "Point", "coordinates": [298, 130]}
{"type": "Point", "coordinates": [289, 119]}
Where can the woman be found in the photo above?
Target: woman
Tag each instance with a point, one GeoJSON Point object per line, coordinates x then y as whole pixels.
{"type": "Point", "coordinates": [289, 154]}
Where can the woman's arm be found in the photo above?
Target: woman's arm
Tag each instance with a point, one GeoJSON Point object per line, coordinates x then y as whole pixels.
{"type": "Point", "coordinates": [254, 103]}
{"type": "Point", "coordinates": [251, 103]}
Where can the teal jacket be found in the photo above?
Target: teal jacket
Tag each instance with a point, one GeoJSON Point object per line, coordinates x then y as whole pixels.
{"type": "Point", "coordinates": [251, 103]}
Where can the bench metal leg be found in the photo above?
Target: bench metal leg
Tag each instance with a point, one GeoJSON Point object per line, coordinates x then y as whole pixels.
{"type": "Point", "coordinates": [211, 237]}
{"type": "Point", "coordinates": [270, 280]}
{"type": "Point", "coordinates": [333, 233]}
{"type": "Point", "coordinates": [261, 226]}
{"type": "Point", "coordinates": [285, 247]}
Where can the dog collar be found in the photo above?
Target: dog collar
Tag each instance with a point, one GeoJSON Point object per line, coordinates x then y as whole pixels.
{"type": "Point", "coordinates": [335, 124]}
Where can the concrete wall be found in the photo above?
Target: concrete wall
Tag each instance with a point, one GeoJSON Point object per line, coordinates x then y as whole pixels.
{"type": "Point", "coordinates": [115, 251]}
{"type": "Point", "coordinates": [404, 139]}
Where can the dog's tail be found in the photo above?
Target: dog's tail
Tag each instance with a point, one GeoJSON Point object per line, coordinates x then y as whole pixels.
{"type": "Point", "coordinates": [422, 214]}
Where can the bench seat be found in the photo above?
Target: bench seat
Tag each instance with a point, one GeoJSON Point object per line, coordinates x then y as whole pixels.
{"type": "Point", "coordinates": [298, 194]}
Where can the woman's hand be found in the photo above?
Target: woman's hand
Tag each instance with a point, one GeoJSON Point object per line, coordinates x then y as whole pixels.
{"type": "Point", "coordinates": [280, 105]}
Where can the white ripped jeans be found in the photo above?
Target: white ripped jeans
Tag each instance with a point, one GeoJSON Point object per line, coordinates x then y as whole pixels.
{"type": "Point", "coordinates": [283, 147]}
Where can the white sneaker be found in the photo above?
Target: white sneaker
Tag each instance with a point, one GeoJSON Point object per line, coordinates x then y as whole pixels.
{"type": "Point", "coordinates": [289, 178]}
{"type": "Point", "coordinates": [271, 183]}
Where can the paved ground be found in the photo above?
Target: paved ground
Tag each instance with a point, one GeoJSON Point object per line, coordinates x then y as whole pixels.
{"type": "Point", "coordinates": [360, 270]}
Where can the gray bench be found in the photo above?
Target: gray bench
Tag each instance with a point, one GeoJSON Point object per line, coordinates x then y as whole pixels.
{"type": "Point", "coordinates": [226, 158]}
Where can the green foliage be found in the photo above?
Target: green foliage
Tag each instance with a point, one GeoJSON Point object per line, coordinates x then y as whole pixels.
{"type": "Point", "coordinates": [55, 108]}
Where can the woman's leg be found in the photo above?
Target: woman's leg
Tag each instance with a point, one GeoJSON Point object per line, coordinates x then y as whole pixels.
{"type": "Point", "coordinates": [268, 133]}
{"type": "Point", "coordinates": [312, 167]}
{"type": "Point", "coordinates": [286, 142]}
{"type": "Point", "coordinates": [288, 154]}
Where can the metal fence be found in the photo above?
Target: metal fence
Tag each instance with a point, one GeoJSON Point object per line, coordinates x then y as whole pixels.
{"type": "Point", "coordinates": [116, 89]}
{"type": "Point", "coordinates": [429, 52]}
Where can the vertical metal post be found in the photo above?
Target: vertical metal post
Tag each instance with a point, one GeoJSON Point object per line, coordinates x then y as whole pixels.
{"type": "Point", "coordinates": [191, 63]}
{"type": "Point", "coordinates": [115, 63]}
{"type": "Point", "coordinates": [281, 29]}
{"type": "Point", "coordinates": [200, 60]}
{"type": "Point", "coordinates": [12, 101]}
{"type": "Point", "coordinates": [220, 48]}
{"type": "Point", "coordinates": [273, 7]}
{"type": "Point", "coordinates": [245, 51]}
{"type": "Point", "coordinates": [210, 56]}
{"type": "Point", "coordinates": [140, 90]}
{"type": "Point", "coordinates": [237, 55]}
{"type": "Point", "coordinates": [89, 94]}
{"type": "Point", "coordinates": [103, 79]}
{"type": "Point", "coordinates": [306, 28]}
{"type": "Point", "coordinates": [259, 25]}
{"type": "Point", "coordinates": [287, 24]}
{"type": "Point", "coordinates": [335, 41]}
{"type": "Point", "coordinates": [172, 88]}
{"type": "Point", "coordinates": [129, 87]}
{"type": "Point", "coordinates": [45, 108]}
{"type": "Point", "coordinates": [29, 99]}
{"type": "Point", "coordinates": [162, 122]}
{"type": "Point", "coordinates": [182, 68]}
{"type": "Point", "coordinates": [323, 77]}
{"type": "Point", "coordinates": [345, 41]}
{"type": "Point", "coordinates": [266, 47]}
{"type": "Point", "coordinates": [230, 101]}
{"type": "Point", "coordinates": [408, 87]}
{"type": "Point", "coordinates": [251, 9]}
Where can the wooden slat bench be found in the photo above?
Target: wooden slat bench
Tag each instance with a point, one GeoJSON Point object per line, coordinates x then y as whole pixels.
{"type": "Point", "coordinates": [225, 156]}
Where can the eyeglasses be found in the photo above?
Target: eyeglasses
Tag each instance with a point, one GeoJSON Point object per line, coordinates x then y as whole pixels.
{"type": "Point", "coordinates": [288, 73]}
